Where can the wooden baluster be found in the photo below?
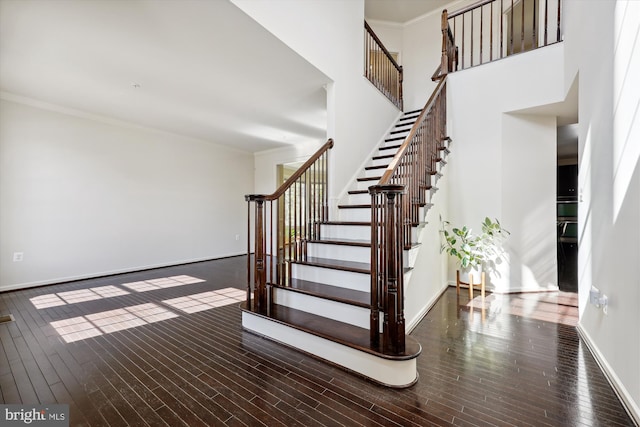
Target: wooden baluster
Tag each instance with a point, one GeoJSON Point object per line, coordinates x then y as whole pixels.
{"type": "Point", "coordinates": [546, 20]}
{"type": "Point", "coordinates": [481, 22]}
{"type": "Point", "coordinates": [463, 41]}
{"type": "Point", "coordinates": [558, 32]}
{"type": "Point", "coordinates": [471, 41]}
{"type": "Point", "coordinates": [491, 32]}
{"type": "Point", "coordinates": [501, 30]}
{"type": "Point", "coordinates": [522, 28]}
{"type": "Point", "coordinates": [534, 41]}
{"type": "Point", "coordinates": [511, 36]}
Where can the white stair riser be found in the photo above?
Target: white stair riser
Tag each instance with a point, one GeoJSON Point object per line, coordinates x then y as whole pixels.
{"type": "Point", "coordinates": [364, 185]}
{"type": "Point", "coordinates": [397, 373]}
{"type": "Point", "coordinates": [355, 214]}
{"type": "Point", "coordinates": [359, 232]}
{"type": "Point", "coordinates": [410, 256]}
{"type": "Point", "coordinates": [373, 172]}
{"type": "Point", "coordinates": [416, 235]}
{"type": "Point", "coordinates": [395, 142]}
{"type": "Point", "coordinates": [381, 162]}
{"type": "Point", "coordinates": [359, 199]}
{"type": "Point", "coordinates": [330, 276]}
{"type": "Point", "coordinates": [341, 252]}
{"type": "Point", "coordinates": [347, 313]}
{"type": "Point", "coordinates": [404, 126]}
{"type": "Point", "coordinates": [386, 151]}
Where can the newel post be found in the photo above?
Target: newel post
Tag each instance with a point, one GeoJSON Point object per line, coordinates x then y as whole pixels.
{"type": "Point", "coordinates": [400, 94]}
{"type": "Point", "coordinates": [387, 267]}
{"type": "Point", "coordinates": [444, 62]}
{"type": "Point", "coordinates": [259, 263]}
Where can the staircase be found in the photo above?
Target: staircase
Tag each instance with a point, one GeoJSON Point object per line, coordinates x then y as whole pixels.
{"type": "Point", "coordinates": [317, 293]}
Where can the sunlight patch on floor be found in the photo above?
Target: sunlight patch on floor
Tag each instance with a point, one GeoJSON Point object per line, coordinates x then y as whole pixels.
{"type": "Point", "coordinates": [92, 325]}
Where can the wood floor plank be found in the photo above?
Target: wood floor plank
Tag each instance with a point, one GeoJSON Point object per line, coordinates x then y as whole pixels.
{"type": "Point", "coordinates": [523, 365]}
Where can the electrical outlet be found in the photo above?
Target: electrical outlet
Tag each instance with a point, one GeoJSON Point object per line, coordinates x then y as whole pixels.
{"type": "Point", "coordinates": [18, 256]}
{"type": "Point", "coordinates": [237, 237]}
{"type": "Point", "coordinates": [604, 302]}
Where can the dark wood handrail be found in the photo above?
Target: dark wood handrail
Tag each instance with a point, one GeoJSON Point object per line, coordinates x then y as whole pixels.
{"type": "Point", "coordinates": [386, 177]}
{"type": "Point", "coordinates": [470, 7]}
{"type": "Point", "coordinates": [293, 178]}
{"type": "Point", "coordinates": [384, 49]}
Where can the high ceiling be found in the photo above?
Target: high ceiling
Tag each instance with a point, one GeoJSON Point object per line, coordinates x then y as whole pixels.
{"type": "Point", "coordinates": [177, 65]}
{"type": "Point", "coordinates": [401, 11]}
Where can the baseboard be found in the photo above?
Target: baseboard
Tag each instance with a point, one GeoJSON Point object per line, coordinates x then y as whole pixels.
{"type": "Point", "coordinates": [411, 325]}
{"type": "Point", "coordinates": [67, 279]}
{"type": "Point", "coordinates": [621, 391]}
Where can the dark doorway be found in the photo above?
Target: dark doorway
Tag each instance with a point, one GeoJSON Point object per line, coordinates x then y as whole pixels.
{"type": "Point", "coordinates": [567, 219]}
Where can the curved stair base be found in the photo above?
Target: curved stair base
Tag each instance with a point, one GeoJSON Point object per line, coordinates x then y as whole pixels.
{"type": "Point", "coordinates": [390, 371]}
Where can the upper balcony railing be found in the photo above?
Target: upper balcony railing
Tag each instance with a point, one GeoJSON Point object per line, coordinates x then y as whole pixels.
{"type": "Point", "coordinates": [494, 29]}
{"type": "Point", "coordinates": [381, 68]}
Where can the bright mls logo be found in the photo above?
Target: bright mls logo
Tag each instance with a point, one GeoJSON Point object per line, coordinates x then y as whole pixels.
{"type": "Point", "coordinates": [34, 415]}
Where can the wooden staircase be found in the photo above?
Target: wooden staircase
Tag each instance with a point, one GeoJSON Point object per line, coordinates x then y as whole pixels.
{"type": "Point", "coordinates": [318, 296]}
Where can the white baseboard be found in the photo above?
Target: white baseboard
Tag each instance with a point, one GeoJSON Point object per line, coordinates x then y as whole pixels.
{"type": "Point", "coordinates": [621, 391]}
{"type": "Point", "coordinates": [58, 280]}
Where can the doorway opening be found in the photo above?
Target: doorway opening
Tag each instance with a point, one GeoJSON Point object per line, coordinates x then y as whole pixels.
{"type": "Point", "coordinates": [567, 207]}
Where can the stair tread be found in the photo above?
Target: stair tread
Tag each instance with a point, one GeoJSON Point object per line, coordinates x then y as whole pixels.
{"type": "Point", "coordinates": [333, 330]}
{"type": "Point", "coordinates": [335, 293]}
{"type": "Point", "coordinates": [343, 241]}
{"type": "Point", "coordinates": [358, 192]}
{"type": "Point", "coordinates": [370, 178]}
{"type": "Point", "coordinates": [337, 264]}
{"type": "Point", "coordinates": [356, 223]}
{"type": "Point", "coordinates": [383, 156]}
{"type": "Point", "coordinates": [390, 147]}
{"type": "Point", "coordinates": [368, 206]}
{"type": "Point", "coordinates": [395, 138]}
{"type": "Point", "coordinates": [369, 168]}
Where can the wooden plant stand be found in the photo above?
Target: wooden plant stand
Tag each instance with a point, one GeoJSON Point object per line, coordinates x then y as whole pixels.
{"type": "Point", "coordinates": [471, 284]}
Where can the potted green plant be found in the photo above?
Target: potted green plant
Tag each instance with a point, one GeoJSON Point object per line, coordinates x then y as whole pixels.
{"type": "Point", "coordinates": [473, 251]}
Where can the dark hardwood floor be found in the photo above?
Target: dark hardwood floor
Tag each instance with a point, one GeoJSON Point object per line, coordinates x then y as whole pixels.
{"type": "Point", "coordinates": [166, 347]}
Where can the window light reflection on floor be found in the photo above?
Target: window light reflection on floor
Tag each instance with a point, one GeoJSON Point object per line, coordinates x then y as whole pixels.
{"type": "Point", "coordinates": [206, 300]}
{"type": "Point", "coordinates": [91, 325]}
{"type": "Point", "coordinates": [165, 282]}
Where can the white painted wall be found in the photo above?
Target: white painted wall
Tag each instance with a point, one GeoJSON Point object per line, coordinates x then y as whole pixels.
{"type": "Point", "coordinates": [330, 35]}
{"type": "Point", "coordinates": [429, 276]}
{"type": "Point", "coordinates": [503, 165]}
{"type": "Point", "coordinates": [82, 197]}
{"type": "Point", "coordinates": [529, 202]}
{"type": "Point", "coordinates": [608, 63]}
{"type": "Point", "coordinates": [421, 53]}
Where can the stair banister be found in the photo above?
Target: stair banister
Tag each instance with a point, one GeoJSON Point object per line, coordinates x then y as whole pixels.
{"type": "Point", "coordinates": [541, 20]}
{"type": "Point", "coordinates": [395, 208]}
{"type": "Point", "coordinates": [383, 71]}
{"type": "Point", "coordinates": [301, 203]}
